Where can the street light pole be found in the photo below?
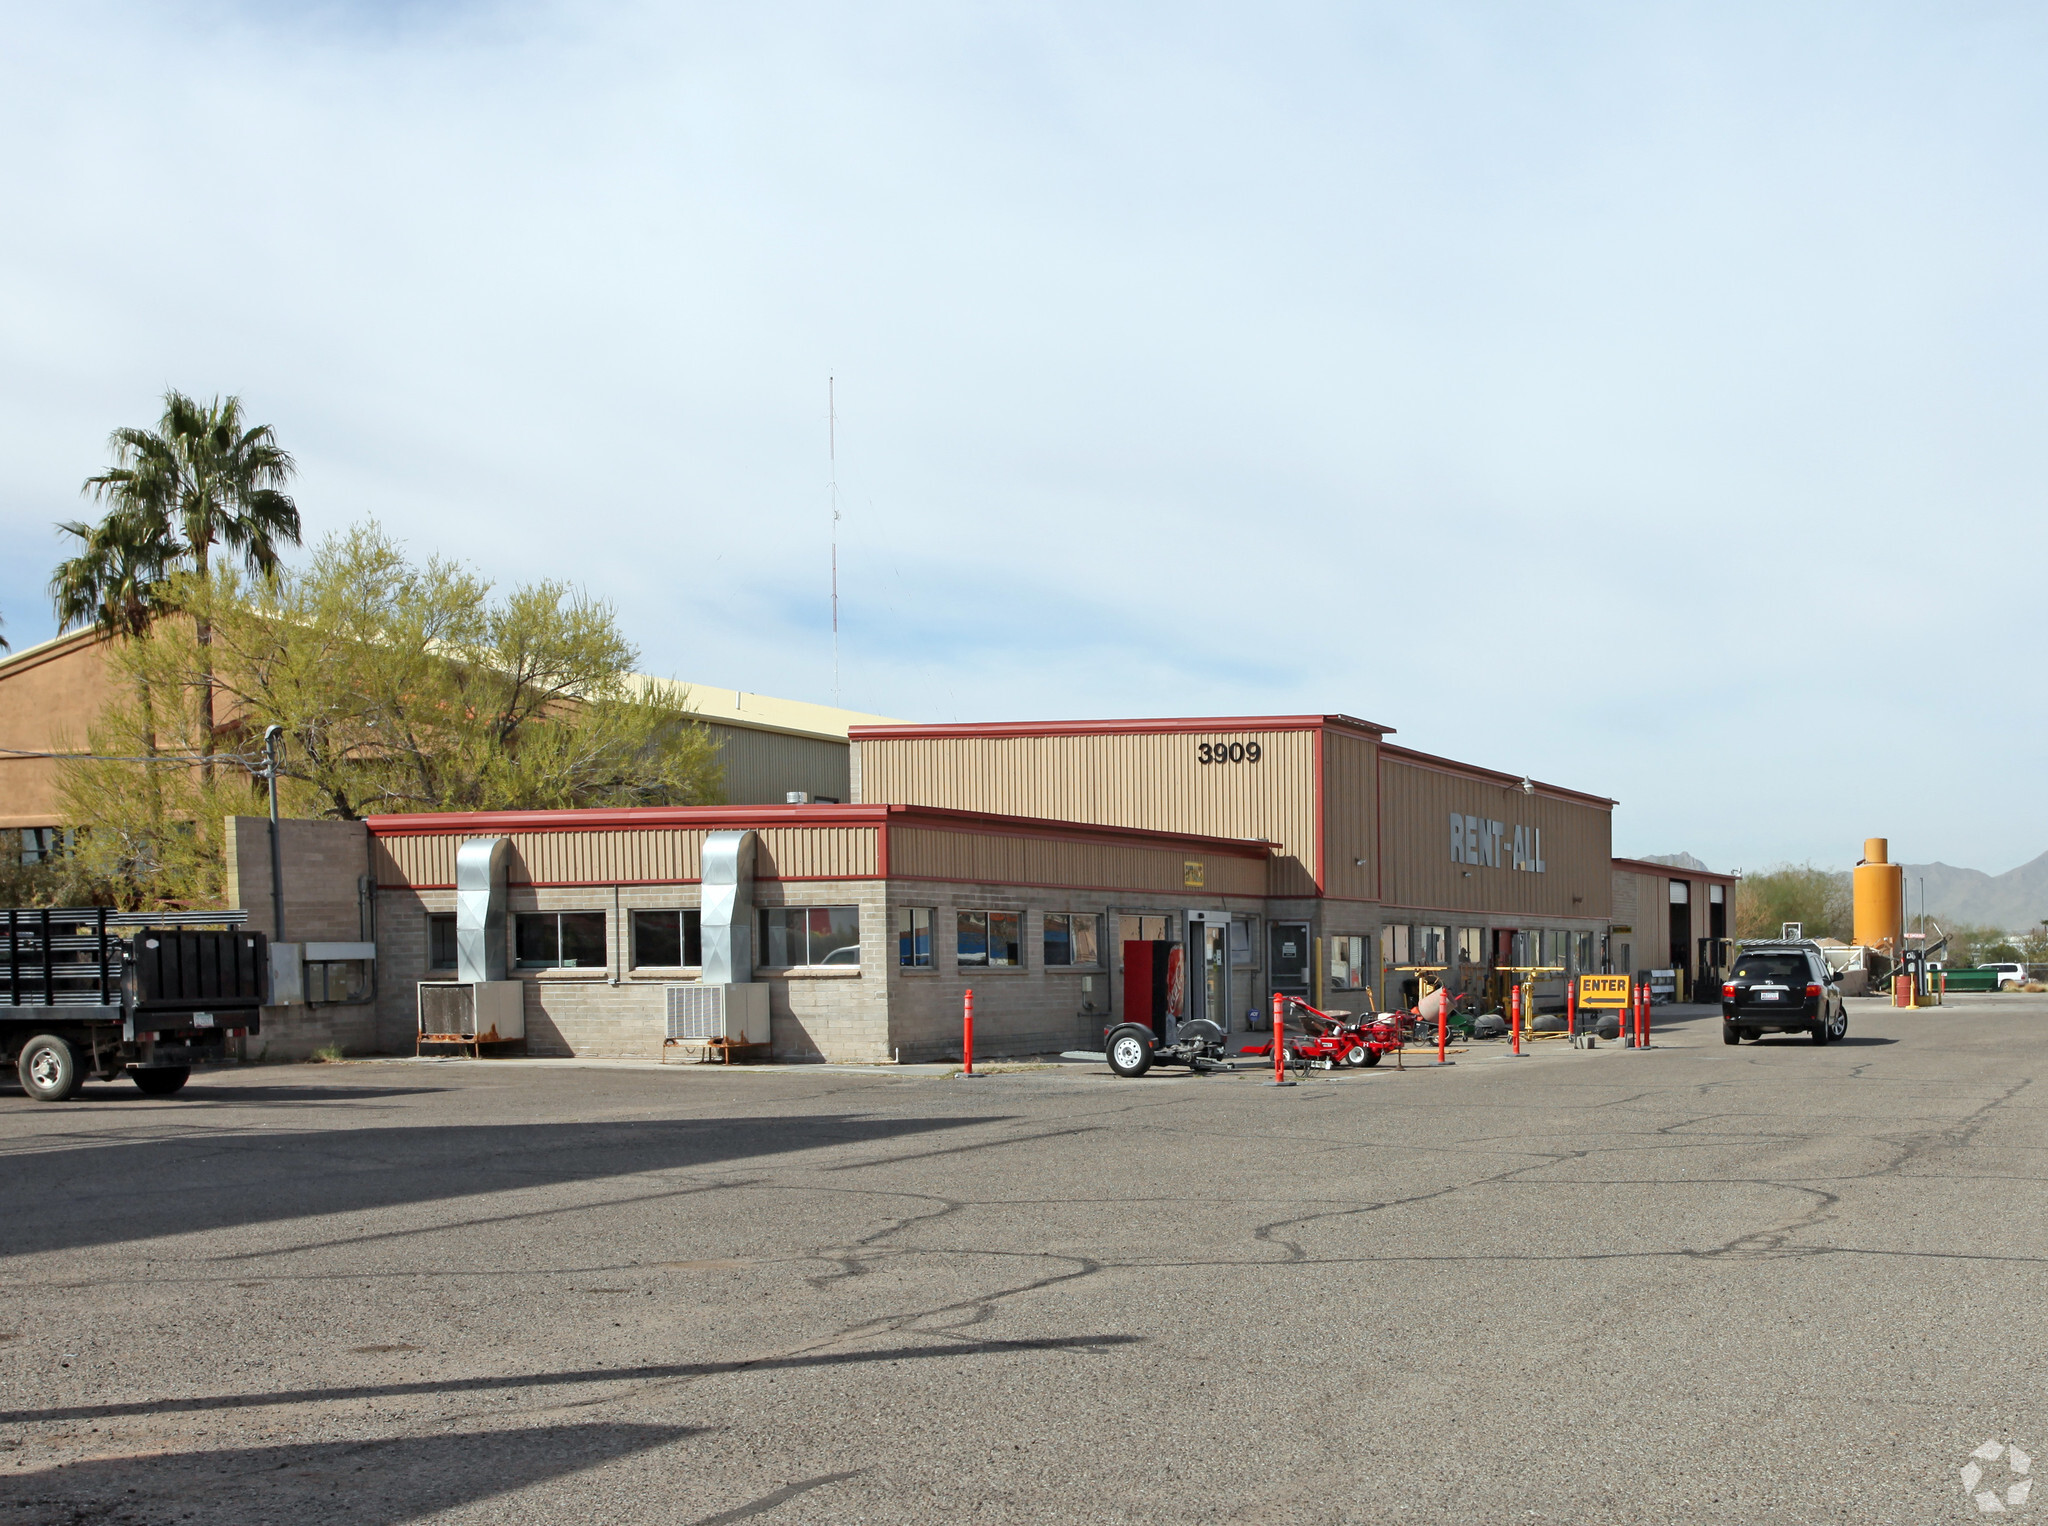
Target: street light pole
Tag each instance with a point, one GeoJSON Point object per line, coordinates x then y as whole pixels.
{"type": "Point", "coordinates": [270, 736]}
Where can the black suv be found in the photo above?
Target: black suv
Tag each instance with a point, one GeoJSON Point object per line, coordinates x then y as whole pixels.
{"type": "Point", "coordinates": [1781, 988]}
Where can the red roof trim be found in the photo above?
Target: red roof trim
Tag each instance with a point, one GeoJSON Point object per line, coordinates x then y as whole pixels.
{"type": "Point", "coordinates": [1644, 866]}
{"type": "Point", "coordinates": [693, 817]}
{"type": "Point", "coordinates": [1175, 725]}
{"type": "Point", "coordinates": [1487, 775]}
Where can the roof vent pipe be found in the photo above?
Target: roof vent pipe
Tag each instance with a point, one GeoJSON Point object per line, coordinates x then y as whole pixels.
{"type": "Point", "coordinates": [480, 908]}
{"type": "Point", "coordinates": [727, 914]}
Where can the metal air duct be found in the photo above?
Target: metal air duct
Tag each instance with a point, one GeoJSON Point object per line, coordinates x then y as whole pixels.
{"type": "Point", "coordinates": [480, 908]}
{"type": "Point", "coordinates": [727, 924]}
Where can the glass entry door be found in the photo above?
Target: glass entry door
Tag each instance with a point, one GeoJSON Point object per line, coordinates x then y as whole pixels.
{"type": "Point", "coordinates": [1208, 967]}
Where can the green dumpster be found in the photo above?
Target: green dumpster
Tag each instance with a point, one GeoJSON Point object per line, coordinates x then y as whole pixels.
{"type": "Point", "coordinates": [1963, 980]}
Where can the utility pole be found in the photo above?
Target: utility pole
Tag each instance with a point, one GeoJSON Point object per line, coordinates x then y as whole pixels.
{"type": "Point", "coordinates": [270, 736]}
{"type": "Point", "coordinates": [832, 454]}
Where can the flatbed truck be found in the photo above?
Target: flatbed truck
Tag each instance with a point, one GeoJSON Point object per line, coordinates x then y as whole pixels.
{"type": "Point", "coordinates": [94, 994]}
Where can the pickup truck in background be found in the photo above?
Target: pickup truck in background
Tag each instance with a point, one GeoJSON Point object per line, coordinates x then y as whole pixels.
{"type": "Point", "coordinates": [91, 994]}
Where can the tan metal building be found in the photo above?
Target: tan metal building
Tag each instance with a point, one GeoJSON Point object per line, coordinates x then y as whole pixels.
{"type": "Point", "coordinates": [1386, 860]}
{"type": "Point", "coordinates": [1243, 855]}
{"type": "Point", "coordinates": [1668, 917]}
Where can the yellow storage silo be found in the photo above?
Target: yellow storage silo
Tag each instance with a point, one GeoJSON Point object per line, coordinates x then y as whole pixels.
{"type": "Point", "coordinates": [1880, 890]}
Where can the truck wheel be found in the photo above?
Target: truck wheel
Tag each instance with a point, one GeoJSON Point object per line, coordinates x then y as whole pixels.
{"type": "Point", "coordinates": [163, 1081]}
{"type": "Point", "coordinates": [1129, 1055]}
{"type": "Point", "coordinates": [1730, 1034]}
{"type": "Point", "coordinates": [48, 1069]}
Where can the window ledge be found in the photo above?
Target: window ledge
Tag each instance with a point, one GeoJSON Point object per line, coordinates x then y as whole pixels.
{"type": "Point", "coordinates": [671, 973]}
{"type": "Point", "coordinates": [808, 972]}
{"type": "Point", "coordinates": [1000, 971]}
{"type": "Point", "coordinates": [579, 973]}
{"type": "Point", "coordinates": [1075, 969]}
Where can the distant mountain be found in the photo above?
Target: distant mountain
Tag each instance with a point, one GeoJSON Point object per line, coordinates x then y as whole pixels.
{"type": "Point", "coordinates": [1676, 861]}
{"type": "Point", "coordinates": [2015, 900]}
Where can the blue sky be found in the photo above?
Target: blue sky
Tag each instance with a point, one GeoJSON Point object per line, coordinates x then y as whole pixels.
{"type": "Point", "coordinates": [1641, 397]}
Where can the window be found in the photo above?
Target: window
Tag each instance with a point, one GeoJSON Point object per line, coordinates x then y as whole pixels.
{"type": "Point", "coordinates": [991, 938]}
{"type": "Point", "coordinates": [914, 937]}
{"type": "Point", "coordinates": [1071, 937]}
{"type": "Point", "coordinates": [559, 940]}
{"type": "Point", "coordinates": [329, 981]}
{"type": "Point", "coordinates": [805, 935]}
{"type": "Point", "coordinates": [1681, 893]}
{"type": "Point", "coordinates": [1394, 947]}
{"type": "Point", "coordinates": [41, 844]}
{"type": "Point", "coordinates": [1347, 963]}
{"type": "Point", "coordinates": [1472, 946]}
{"type": "Point", "coordinates": [1244, 942]}
{"type": "Point", "coordinates": [667, 940]}
{"type": "Point", "coordinates": [1431, 945]}
{"type": "Point", "coordinates": [1587, 959]}
{"type": "Point", "coordinates": [441, 953]}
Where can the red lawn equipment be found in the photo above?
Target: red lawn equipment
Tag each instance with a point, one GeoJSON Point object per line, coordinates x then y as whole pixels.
{"type": "Point", "coordinates": [1333, 1039]}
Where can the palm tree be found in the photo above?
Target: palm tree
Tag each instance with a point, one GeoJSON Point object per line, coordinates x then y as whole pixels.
{"type": "Point", "coordinates": [113, 581]}
{"type": "Point", "coordinates": [203, 478]}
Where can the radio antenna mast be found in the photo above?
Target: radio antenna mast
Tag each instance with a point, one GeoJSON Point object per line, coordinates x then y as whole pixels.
{"type": "Point", "coordinates": [832, 454]}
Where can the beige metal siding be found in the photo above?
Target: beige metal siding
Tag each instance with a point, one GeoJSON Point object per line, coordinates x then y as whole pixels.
{"type": "Point", "coordinates": [1351, 807]}
{"type": "Point", "coordinates": [628, 857]}
{"type": "Point", "coordinates": [1417, 802]}
{"type": "Point", "coordinates": [762, 767]}
{"type": "Point", "coordinates": [1151, 780]}
{"type": "Point", "coordinates": [920, 853]}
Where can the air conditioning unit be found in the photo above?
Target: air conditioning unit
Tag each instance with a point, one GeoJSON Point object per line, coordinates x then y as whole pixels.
{"type": "Point", "coordinates": [699, 1013]}
{"type": "Point", "coordinates": [472, 1011]}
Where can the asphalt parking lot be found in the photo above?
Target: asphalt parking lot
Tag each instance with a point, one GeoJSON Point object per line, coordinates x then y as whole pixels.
{"type": "Point", "coordinates": [1691, 1284]}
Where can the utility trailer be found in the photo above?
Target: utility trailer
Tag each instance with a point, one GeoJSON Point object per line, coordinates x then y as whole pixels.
{"type": "Point", "coordinates": [90, 994]}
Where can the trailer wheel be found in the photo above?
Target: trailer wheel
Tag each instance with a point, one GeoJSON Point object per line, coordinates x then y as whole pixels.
{"type": "Point", "coordinates": [48, 1069]}
{"type": "Point", "coordinates": [1361, 1055]}
{"type": "Point", "coordinates": [162, 1081]}
{"type": "Point", "coordinates": [1129, 1055]}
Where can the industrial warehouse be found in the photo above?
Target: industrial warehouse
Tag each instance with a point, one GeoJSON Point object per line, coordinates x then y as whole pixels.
{"type": "Point", "coordinates": [1030, 862]}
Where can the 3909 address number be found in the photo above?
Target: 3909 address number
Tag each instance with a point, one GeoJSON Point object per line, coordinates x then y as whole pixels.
{"type": "Point", "coordinates": [1228, 752]}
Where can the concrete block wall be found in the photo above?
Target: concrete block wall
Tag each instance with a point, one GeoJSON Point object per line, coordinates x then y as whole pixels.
{"type": "Point", "coordinates": [1033, 1009]}
{"type": "Point", "coordinates": [323, 863]}
{"type": "Point", "coordinates": [619, 1011]}
{"type": "Point", "coordinates": [832, 1013]}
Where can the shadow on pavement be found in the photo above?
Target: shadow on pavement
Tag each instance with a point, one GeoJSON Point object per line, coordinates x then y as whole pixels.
{"type": "Point", "coordinates": [375, 1483]}
{"type": "Point", "coordinates": [556, 1379]}
{"type": "Point", "coordinates": [102, 1194]}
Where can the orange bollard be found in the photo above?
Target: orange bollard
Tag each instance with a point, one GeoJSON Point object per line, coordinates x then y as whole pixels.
{"type": "Point", "coordinates": [1646, 1017]}
{"type": "Point", "coordinates": [1279, 1041]}
{"type": "Point", "coordinates": [1571, 1010]}
{"type": "Point", "coordinates": [967, 1034]}
{"type": "Point", "coordinates": [1515, 1017]}
{"type": "Point", "coordinates": [1443, 1021]}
